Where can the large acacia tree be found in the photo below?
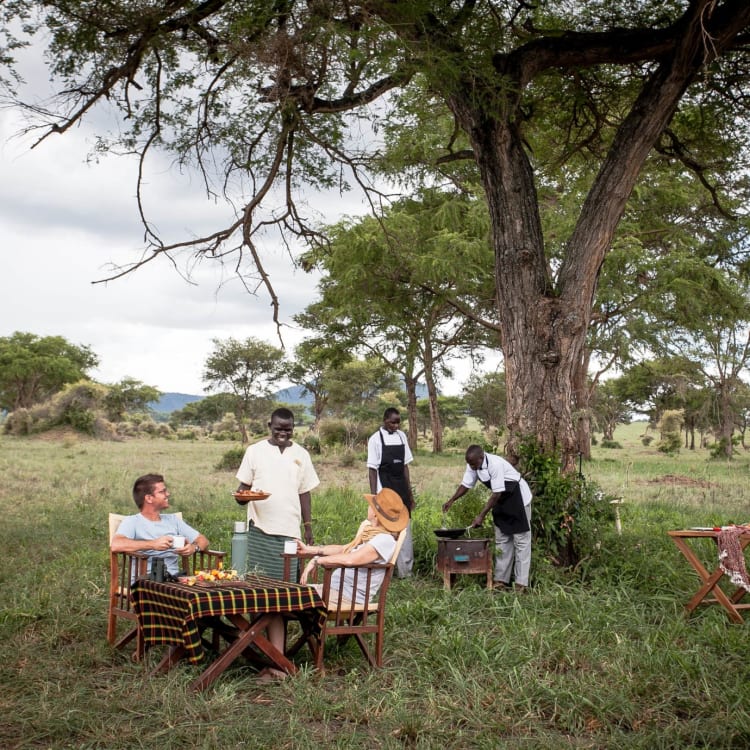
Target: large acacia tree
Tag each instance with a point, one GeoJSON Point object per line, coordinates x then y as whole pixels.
{"type": "Point", "coordinates": [280, 90]}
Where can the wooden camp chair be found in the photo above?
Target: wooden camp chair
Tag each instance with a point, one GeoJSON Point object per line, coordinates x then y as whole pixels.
{"type": "Point", "coordinates": [125, 567]}
{"type": "Point", "coordinates": [365, 622]}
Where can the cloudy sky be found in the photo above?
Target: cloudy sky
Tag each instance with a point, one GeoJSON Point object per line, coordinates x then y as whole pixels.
{"type": "Point", "coordinates": [65, 221]}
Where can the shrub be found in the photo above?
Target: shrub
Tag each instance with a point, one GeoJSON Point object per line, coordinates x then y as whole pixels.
{"type": "Point", "coordinates": [232, 459]}
{"type": "Point", "coordinates": [462, 439]}
{"type": "Point", "coordinates": [332, 432]}
{"type": "Point", "coordinates": [227, 424]}
{"type": "Point", "coordinates": [18, 422]}
{"type": "Point", "coordinates": [311, 443]}
{"type": "Point", "coordinates": [611, 444]}
{"type": "Point", "coordinates": [466, 509]}
{"type": "Point", "coordinates": [226, 436]}
{"type": "Point", "coordinates": [187, 433]}
{"type": "Point", "coordinates": [670, 443]}
{"type": "Point", "coordinates": [567, 514]}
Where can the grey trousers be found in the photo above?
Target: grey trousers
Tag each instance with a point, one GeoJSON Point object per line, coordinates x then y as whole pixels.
{"type": "Point", "coordinates": [405, 560]}
{"type": "Point", "coordinates": [513, 553]}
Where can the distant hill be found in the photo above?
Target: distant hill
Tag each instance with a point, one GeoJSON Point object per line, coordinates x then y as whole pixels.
{"type": "Point", "coordinates": [295, 394]}
{"type": "Point", "coordinates": [170, 402]}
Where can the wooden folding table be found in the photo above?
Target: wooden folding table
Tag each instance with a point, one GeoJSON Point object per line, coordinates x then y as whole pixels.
{"type": "Point", "coordinates": [173, 614]}
{"type": "Point", "coordinates": [710, 592]}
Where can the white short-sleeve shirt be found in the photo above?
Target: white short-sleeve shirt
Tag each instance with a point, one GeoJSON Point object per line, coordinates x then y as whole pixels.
{"type": "Point", "coordinates": [286, 475]}
{"type": "Point", "coordinates": [496, 471]}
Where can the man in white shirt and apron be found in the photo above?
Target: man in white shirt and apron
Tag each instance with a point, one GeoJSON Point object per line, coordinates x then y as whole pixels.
{"type": "Point", "coordinates": [510, 503]}
{"type": "Point", "coordinates": [388, 459]}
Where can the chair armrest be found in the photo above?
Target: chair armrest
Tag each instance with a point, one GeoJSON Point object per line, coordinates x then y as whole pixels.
{"type": "Point", "coordinates": [207, 558]}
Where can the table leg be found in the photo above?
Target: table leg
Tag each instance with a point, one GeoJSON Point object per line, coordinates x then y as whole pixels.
{"type": "Point", "coordinates": [710, 583]}
{"type": "Point", "coordinates": [173, 655]}
{"type": "Point", "coordinates": [251, 635]}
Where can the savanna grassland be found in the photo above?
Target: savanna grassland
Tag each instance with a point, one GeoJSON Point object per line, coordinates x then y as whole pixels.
{"type": "Point", "coordinates": [602, 657]}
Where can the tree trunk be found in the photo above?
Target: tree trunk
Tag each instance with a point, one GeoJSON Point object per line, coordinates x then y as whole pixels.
{"type": "Point", "coordinates": [319, 405]}
{"type": "Point", "coordinates": [581, 401]}
{"type": "Point", "coordinates": [241, 420]}
{"type": "Point", "coordinates": [436, 424]}
{"type": "Point", "coordinates": [410, 384]}
{"type": "Point", "coordinates": [544, 321]}
{"type": "Point", "coordinates": [727, 419]}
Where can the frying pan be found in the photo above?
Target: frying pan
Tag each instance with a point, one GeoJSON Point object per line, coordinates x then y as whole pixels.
{"type": "Point", "coordinates": [451, 533]}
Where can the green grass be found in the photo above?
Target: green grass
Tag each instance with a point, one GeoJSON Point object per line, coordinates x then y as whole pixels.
{"type": "Point", "coordinates": [604, 658]}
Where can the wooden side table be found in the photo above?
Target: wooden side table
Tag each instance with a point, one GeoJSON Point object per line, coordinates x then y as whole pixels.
{"type": "Point", "coordinates": [710, 592]}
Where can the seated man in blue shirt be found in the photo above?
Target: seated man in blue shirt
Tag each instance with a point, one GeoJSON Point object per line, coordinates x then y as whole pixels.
{"type": "Point", "coordinates": [152, 532]}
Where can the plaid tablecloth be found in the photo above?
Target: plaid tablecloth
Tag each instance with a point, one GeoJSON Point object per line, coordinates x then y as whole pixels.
{"type": "Point", "coordinates": [169, 612]}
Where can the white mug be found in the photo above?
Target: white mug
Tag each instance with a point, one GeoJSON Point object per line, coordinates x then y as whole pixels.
{"type": "Point", "coordinates": [290, 547]}
{"type": "Point", "coordinates": [178, 542]}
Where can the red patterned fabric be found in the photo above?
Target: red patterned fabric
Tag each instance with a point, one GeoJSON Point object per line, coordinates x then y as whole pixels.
{"type": "Point", "coordinates": [169, 613]}
{"type": "Point", "coordinates": [731, 556]}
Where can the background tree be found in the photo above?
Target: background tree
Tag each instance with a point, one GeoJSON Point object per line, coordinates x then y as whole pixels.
{"type": "Point", "coordinates": [742, 411]}
{"type": "Point", "coordinates": [129, 396]}
{"type": "Point", "coordinates": [452, 412]}
{"type": "Point", "coordinates": [609, 408]}
{"type": "Point", "coordinates": [357, 390]}
{"type": "Point", "coordinates": [33, 368]}
{"type": "Point", "coordinates": [206, 411]}
{"type": "Point", "coordinates": [707, 323]}
{"type": "Point", "coordinates": [250, 370]}
{"type": "Point", "coordinates": [315, 360]}
{"type": "Point", "coordinates": [670, 384]}
{"type": "Point", "coordinates": [385, 285]}
{"type": "Point", "coordinates": [485, 398]}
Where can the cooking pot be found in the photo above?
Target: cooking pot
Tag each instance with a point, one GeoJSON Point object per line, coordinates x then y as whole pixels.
{"type": "Point", "coordinates": [451, 533]}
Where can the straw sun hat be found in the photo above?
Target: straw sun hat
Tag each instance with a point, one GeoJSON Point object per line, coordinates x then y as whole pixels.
{"type": "Point", "coordinates": [390, 509]}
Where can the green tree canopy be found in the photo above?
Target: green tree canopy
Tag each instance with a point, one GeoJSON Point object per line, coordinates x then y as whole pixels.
{"type": "Point", "coordinates": [128, 396]}
{"type": "Point", "coordinates": [357, 389]}
{"type": "Point", "coordinates": [391, 289]}
{"type": "Point", "coordinates": [33, 368]}
{"type": "Point", "coordinates": [484, 398]}
{"type": "Point", "coordinates": [206, 411]}
{"type": "Point", "coordinates": [315, 363]}
{"type": "Point", "coordinates": [249, 369]}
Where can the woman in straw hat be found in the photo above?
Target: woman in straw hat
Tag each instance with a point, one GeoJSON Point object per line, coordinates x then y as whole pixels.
{"type": "Point", "coordinates": [375, 541]}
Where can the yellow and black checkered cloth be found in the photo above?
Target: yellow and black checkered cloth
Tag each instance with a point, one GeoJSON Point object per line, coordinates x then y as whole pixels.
{"type": "Point", "coordinates": [169, 612]}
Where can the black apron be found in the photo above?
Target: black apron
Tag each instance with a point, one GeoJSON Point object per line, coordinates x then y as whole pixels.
{"type": "Point", "coordinates": [508, 512]}
{"type": "Point", "coordinates": [391, 469]}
